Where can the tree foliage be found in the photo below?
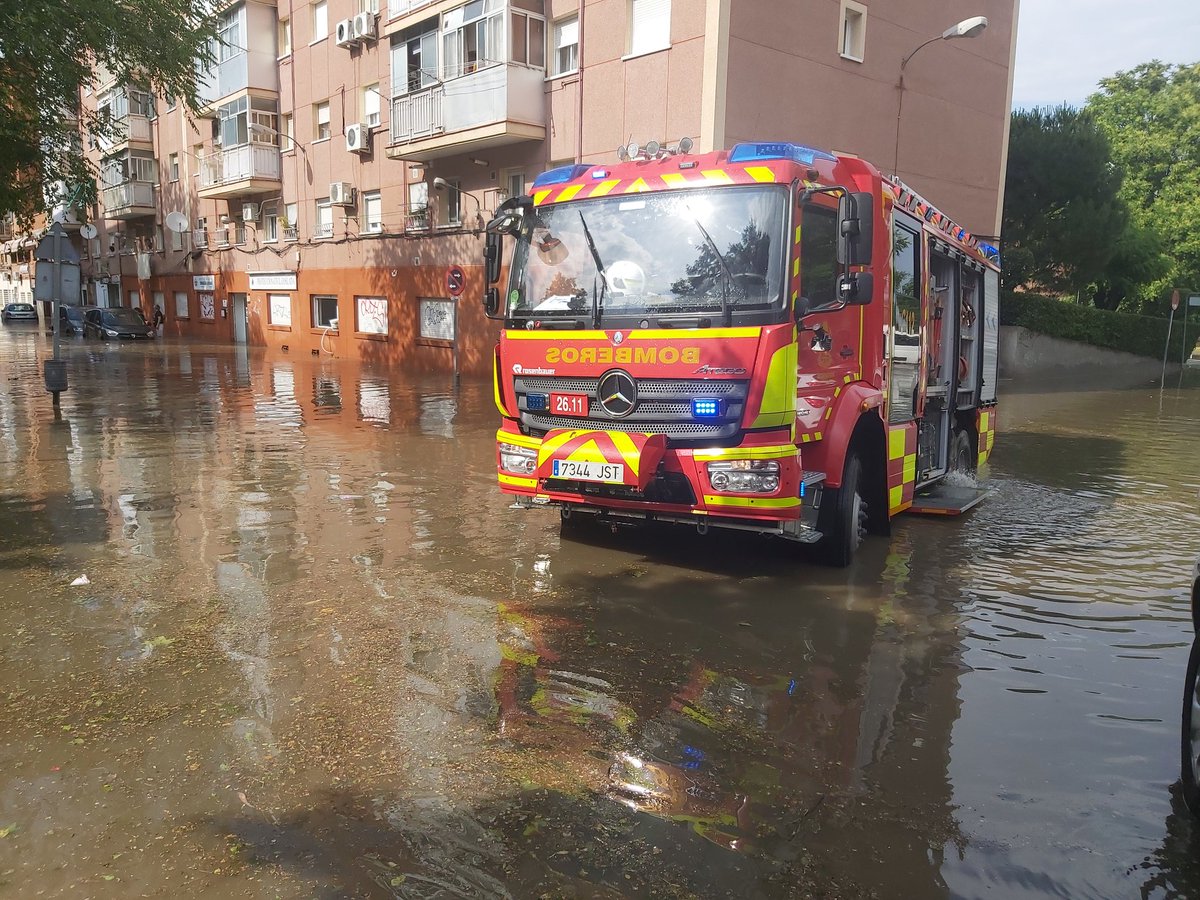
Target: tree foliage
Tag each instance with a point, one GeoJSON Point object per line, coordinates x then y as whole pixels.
{"type": "Point", "coordinates": [1063, 220]}
{"type": "Point", "coordinates": [1151, 116]}
{"type": "Point", "coordinates": [49, 49]}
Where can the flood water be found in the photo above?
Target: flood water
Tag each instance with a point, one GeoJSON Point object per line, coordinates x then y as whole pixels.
{"type": "Point", "coordinates": [319, 655]}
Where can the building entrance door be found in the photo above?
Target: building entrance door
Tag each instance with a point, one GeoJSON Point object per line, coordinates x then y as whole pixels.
{"type": "Point", "coordinates": [239, 318]}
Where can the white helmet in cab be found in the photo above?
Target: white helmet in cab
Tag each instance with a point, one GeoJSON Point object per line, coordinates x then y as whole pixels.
{"type": "Point", "coordinates": [625, 278]}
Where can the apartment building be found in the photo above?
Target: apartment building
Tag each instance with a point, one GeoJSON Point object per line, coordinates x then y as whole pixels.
{"type": "Point", "coordinates": [350, 151]}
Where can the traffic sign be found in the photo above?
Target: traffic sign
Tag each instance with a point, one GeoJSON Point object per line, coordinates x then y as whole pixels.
{"type": "Point", "coordinates": [1194, 300]}
{"type": "Point", "coordinates": [456, 281]}
{"type": "Point", "coordinates": [1174, 300]}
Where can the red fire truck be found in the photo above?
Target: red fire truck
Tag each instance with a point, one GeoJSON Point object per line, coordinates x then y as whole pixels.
{"type": "Point", "coordinates": [772, 338]}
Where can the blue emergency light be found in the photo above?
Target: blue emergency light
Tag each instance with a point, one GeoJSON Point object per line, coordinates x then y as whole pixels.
{"type": "Point", "coordinates": [706, 408]}
{"type": "Point", "coordinates": [536, 402]}
{"type": "Point", "coordinates": [798, 153]}
{"type": "Point", "coordinates": [561, 175]}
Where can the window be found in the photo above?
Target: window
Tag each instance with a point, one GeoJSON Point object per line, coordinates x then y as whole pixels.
{"type": "Point", "coordinates": [324, 221]}
{"type": "Point", "coordinates": [173, 162]}
{"type": "Point", "coordinates": [270, 225]}
{"type": "Point", "coordinates": [284, 37]}
{"type": "Point", "coordinates": [566, 46]}
{"type": "Point", "coordinates": [904, 352]}
{"type": "Point", "coordinates": [198, 154]}
{"type": "Point", "coordinates": [472, 37]}
{"type": "Point", "coordinates": [325, 312]}
{"type": "Point", "coordinates": [288, 132]}
{"type": "Point", "coordinates": [449, 202]}
{"type": "Point", "coordinates": [852, 41]}
{"type": "Point", "coordinates": [170, 100]}
{"type": "Point", "coordinates": [370, 104]}
{"type": "Point", "coordinates": [135, 300]}
{"type": "Point", "coordinates": [371, 6]}
{"type": "Point", "coordinates": [181, 305]}
{"type": "Point", "coordinates": [291, 222]}
{"type": "Point", "coordinates": [321, 131]}
{"type": "Point", "coordinates": [279, 310]}
{"type": "Point", "coordinates": [528, 39]}
{"type": "Point", "coordinates": [229, 34]}
{"type": "Point", "coordinates": [176, 240]}
{"type": "Point", "coordinates": [320, 21]}
{"type": "Point", "coordinates": [372, 221]}
{"type": "Point", "coordinates": [414, 63]}
{"type": "Point", "coordinates": [649, 26]}
{"type": "Point", "coordinates": [158, 239]}
{"type": "Point", "coordinates": [818, 255]}
{"type": "Point", "coordinates": [371, 315]}
{"type": "Point", "coordinates": [234, 123]}
{"type": "Point", "coordinates": [514, 184]}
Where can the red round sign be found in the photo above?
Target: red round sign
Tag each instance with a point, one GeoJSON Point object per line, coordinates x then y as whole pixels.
{"type": "Point", "coordinates": [456, 281]}
{"type": "Point", "coordinates": [1175, 299]}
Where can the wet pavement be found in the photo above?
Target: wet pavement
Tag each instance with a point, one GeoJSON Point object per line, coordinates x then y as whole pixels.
{"type": "Point", "coordinates": [319, 655]}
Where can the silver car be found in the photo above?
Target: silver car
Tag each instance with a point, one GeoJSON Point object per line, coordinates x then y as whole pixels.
{"type": "Point", "coordinates": [1189, 776]}
{"type": "Point", "coordinates": [19, 312]}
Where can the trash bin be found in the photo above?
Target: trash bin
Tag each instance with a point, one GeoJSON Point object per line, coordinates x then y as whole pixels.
{"type": "Point", "coordinates": [56, 376]}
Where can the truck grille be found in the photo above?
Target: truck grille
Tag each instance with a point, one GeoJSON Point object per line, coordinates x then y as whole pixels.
{"type": "Point", "coordinates": [664, 407]}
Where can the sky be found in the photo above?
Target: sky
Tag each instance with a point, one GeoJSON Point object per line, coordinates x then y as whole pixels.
{"type": "Point", "coordinates": [1064, 47]}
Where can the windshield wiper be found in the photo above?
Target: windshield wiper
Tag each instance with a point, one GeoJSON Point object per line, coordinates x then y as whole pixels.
{"type": "Point", "coordinates": [597, 301]}
{"type": "Point", "coordinates": [726, 313]}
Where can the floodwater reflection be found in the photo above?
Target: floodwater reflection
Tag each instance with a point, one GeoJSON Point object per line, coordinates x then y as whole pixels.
{"type": "Point", "coordinates": [321, 655]}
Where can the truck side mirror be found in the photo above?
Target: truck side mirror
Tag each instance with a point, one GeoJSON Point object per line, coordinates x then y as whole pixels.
{"type": "Point", "coordinates": [856, 228]}
{"type": "Point", "coordinates": [491, 255]}
{"type": "Point", "coordinates": [491, 302]}
{"type": "Point", "coordinates": [856, 288]}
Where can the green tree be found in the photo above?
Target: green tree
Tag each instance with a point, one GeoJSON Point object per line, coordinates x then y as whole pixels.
{"type": "Point", "coordinates": [1152, 118]}
{"type": "Point", "coordinates": [49, 49]}
{"type": "Point", "coordinates": [1062, 215]}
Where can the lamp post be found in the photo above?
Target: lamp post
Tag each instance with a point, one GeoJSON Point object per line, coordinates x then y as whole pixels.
{"type": "Point", "coordinates": [441, 183]}
{"type": "Point", "coordinates": [967, 28]}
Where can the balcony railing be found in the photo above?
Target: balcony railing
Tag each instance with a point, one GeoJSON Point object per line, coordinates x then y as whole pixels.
{"type": "Point", "coordinates": [508, 96]}
{"type": "Point", "coordinates": [418, 220]}
{"type": "Point", "coordinates": [323, 230]}
{"type": "Point", "coordinates": [250, 161]}
{"type": "Point", "coordinates": [291, 233]}
{"type": "Point", "coordinates": [397, 8]}
{"type": "Point", "coordinates": [129, 198]}
{"type": "Point", "coordinates": [200, 239]}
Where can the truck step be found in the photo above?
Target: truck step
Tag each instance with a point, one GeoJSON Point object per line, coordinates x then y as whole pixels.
{"type": "Point", "coordinates": [949, 500]}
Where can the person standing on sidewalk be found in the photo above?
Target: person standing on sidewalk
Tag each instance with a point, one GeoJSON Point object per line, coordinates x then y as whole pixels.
{"type": "Point", "coordinates": [158, 320]}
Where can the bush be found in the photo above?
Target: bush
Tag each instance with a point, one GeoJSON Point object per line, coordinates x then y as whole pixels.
{"type": "Point", "coordinates": [1143, 335]}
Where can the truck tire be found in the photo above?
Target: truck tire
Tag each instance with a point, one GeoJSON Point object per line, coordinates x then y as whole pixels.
{"type": "Point", "coordinates": [1189, 738]}
{"type": "Point", "coordinates": [962, 453]}
{"type": "Point", "coordinates": [842, 519]}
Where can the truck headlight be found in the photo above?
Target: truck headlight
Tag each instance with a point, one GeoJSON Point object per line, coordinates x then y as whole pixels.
{"type": "Point", "coordinates": [744, 476]}
{"type": "Point", "coordinates": [518, 460]}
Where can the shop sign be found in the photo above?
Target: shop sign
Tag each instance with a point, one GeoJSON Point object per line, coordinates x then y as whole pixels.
{"type": "Point", "coordinates": [204, 282]}
{"type": "Point", "coordinates": [272, 281]}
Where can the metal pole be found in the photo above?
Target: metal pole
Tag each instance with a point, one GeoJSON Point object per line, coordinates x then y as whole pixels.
{"type": "Point", "coordinates": [455, 344]}
{"type": "Point", "coordinates": [1183, 354]}
{"type": "Point", "coordinates": [56, 300]}
{"type": "Point", "coordinates": [1167, 349]}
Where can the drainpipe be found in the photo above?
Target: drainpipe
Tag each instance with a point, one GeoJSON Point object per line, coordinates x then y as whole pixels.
{"type": "Point", "coordinates": [579, 92]}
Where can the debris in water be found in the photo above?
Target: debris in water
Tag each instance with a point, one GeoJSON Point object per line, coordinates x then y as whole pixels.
{"type": "Point", "coordinates": [81, 580]}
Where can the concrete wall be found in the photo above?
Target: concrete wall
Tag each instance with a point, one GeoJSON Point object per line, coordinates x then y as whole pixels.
{"type": "Point", "coordinates": [1024, 352]}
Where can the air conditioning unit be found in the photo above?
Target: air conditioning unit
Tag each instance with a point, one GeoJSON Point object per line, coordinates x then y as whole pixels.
{"type": "Point", "coordinates": [250, 212]}
{"type": "Point", "coordinates": [364, 26]}
{"type": "Point", "coordinates": [344, 33]}
{"type": "Point", "coordinates": [358, 137]}
{"type": "Point", "coordinates": [341, 193]}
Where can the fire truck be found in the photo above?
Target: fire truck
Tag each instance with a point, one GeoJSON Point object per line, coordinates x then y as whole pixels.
{"type": "Point", "coordinates": [773, 338]}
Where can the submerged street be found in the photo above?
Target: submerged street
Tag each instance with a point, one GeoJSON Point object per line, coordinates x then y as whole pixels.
{"type": "Point", "coordinates": [318, 654]}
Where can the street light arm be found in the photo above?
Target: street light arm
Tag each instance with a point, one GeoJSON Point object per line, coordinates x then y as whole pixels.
{"type": "Point", "coordinates": [933, 40]}
{"type": "Point", "coordinates": [439, 183]}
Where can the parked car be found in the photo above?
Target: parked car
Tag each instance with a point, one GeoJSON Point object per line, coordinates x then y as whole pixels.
{"type": "Point", "coordinates": [1189, 776]}
{"type": "Point", "coordinates": [70, 318]}
{"type": "Point", "coordinates": [118, 322]}
{"type": "Point", "coordinates": [19, 312]}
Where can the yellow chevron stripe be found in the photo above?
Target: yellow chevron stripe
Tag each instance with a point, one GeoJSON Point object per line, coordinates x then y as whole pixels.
{"type": "Point", "coordinates": [783, 451]}
{"type": "Point", "coordinates": [604, 187]}
{"type": "Point", "coordinates": [638, 187]}
{"type": "Point", "coordinates": [517, 481]}
{"type": "Point", "coordinates": [674, 180]}
{"type": "Point", "coordinates": [568, 192]}
{"type": "Point", "coordinates": [628, 450]}
{"type": "Point", "coordinates": [752, 502]}
{"type": "Point", "coordinates": [760, 173]}
{"type": "Point", "coordinates": [651, 334]}
{"type": "Point", "coordinates": [558, 335]}
{"type": "Point", "coordinates": [540, 197]}
{"type": "Point", "coordinates": [518, 440]}
{"type": "Point", "coordinates": [717, 176]}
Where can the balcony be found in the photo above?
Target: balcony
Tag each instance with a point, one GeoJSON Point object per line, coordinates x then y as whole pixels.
{"type": "Point", "coordinates": [240, 171]}
{"type": "Point", "coordinates": [130, 200]}
{"type": "Point", "coordinates": [200, 239]}
{"type": "Point", "coordinates": [501, 104]}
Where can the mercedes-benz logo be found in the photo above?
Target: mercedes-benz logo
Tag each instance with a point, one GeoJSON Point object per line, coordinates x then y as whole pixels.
{"type": "Point", "coordinates": [617, 393]}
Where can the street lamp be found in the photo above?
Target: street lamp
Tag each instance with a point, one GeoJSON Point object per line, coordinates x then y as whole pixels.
{"type": "Point", "coordinates": [967, 28]}
{"type": "Point", "coordinates": [441, 183]}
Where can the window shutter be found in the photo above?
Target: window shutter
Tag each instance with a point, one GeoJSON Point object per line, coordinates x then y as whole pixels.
{"type": "Point", "coordinates": [649, 25]}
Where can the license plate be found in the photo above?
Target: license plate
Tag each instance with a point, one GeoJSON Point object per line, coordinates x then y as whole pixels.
{"type": "Point", "coordinates": [569, 404]}
{"type": "Point", "coordinates": [609, 473]}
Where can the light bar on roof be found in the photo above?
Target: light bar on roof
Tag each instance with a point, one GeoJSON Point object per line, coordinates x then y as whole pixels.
{"type": "Point", "coordinates": [798, 153]}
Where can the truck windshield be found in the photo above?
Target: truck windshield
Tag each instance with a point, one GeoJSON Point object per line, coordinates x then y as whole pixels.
{"type": "Point", "coordinates": [699, 252]}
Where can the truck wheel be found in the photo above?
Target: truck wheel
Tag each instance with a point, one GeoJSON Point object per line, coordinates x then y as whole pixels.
{"type": "Point", "coordinates": [842, 520]}
{"type": "Point", "coordinates": [962, 455]}
{"type": "Point", "coordinates": [1189, 739]}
